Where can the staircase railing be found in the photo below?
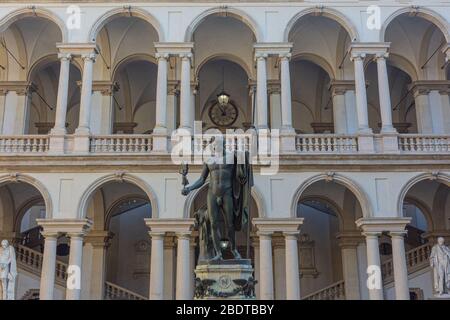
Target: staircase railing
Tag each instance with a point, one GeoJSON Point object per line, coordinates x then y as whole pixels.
{"type": "Point", "coordinates": [31, 261]}
{"type": "Point", "coordinates": [416, 259]}
{"type": "Point", "coordinates": [336, 291]}
{"type": "Point", "coordinates": [115, 292]}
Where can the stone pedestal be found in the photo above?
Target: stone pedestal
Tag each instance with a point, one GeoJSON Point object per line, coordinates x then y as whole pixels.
{"type": "Point", "coordinates": [225, 279]}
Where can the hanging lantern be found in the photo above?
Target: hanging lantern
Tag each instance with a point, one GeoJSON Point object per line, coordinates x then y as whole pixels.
{"type": "Point", "coordinates": [223, 99]}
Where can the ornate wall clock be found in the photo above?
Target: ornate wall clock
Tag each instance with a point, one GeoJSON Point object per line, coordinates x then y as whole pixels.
{"type": "Point", "coordinates": [223, 116]}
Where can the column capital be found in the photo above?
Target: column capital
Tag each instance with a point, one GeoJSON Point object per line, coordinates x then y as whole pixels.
{"type": "Point", "coordinates": [382, 224]}
{"type": "Point", "coordinates": [162, 56]}
{"type": "Point", "coordinates": [174, 48]}
{"type": "Point", "coordinates": [349, 239]}
{"type": "Point", "coordinates": [157, 235]}
{"type": "Point", "coordinates": [183, 235]}
{"type": "Point", "coordinates": [359, 50]}
{"type": "Point", "coordinates": [273, 86]}
{"type": "Point", "coordinates": [99, 238]}
{"type": "Point", "coordinates": [68, 226]}
{"type": "Point", "coordinates": [77, 49]}
{"type": "Point", "coordinates": [65, 56]}
{"type": "Point", "coordinates": [446, 52]}
{"type": "Point", "coordinates": [170, 225]}
{"type": "Point", "coordinates": [423, 87]}
{"type": "Point", "coordinates": [106, 88]}
{"type": "Point", "coordinates": [89, 56]}
{"type": "Point", "coordinates": [272, 225]}
{"type": "Point", "coordinates": [264, 235]}
{"type": "Point", "coordinates": [339, 87]}
{"type": "Point", "coordinates": [261, 56]}
{"type": "Point", "coordinates": [398, 234]}
{"type": "Point", "coordinates": [272, 49]}
{"type": "Point", "coordinates": [291, 235]}
{"type": "Point", "coordinates": [50, 235]}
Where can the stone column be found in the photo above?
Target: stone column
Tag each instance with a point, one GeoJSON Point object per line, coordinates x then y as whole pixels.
{"type": "Point", "coordinates": [98, 241]}
{"type": "Point", "coordinates": [102, 111]}
{"type": "Point", "coordinates": [286, 98]}
{"type": "Point", "coordinates": [400, 267]}
{"type": "Point", "coordinates": [279, 266]}
{"type": "Point", "coordinates": [186, 109]}
{"type": "Point", "coordinates": [183, 267]}
{"type": "Point", "coordinates": [384, 95]}
{"type": "Point", "coordinates": [255, 245]}
{"type": "Point", "coordinates": [63, 91]}
{"type": "Point", "coordinates": [81, 143]}
{"type": "Point", "coordinates": [172, 106]}
{"type": "Point", "coordinates": [339, 112]}
{"type": "Point", "coordinates": [86, 93]}
{"type": "Point", "coordinates": [349, 254]}
{"type": "Point", "coordinates": [423, 115]}
{"type": "Point", "coordinates": [274, 93]}
{"type": "Point", "coordinates": [265, 266]}
{"type": "Point", "coordinates": [373, 261]}
{"type": "Point", "coordinates": [261, 90]}
{"type": "Point", "coordinates": [361, 95]}
{"type": "Point", "coordinates": [292, 268]}
{"type": "Point", "coordinates": [47, 284]}
{"type": "Point", "coordinates": [157, 266]}
{"type": "Point", "coordinates": [73, 289]}
{"type": "Point", "coordinates": [161, 95]}
{"type": "Point", "coordinates": [169, 267]}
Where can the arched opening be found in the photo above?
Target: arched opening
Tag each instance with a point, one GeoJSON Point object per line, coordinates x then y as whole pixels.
{"type": "Point", "coordinates": [118, 210]}
{"type": "Point", "coordinates": [402, 100]}
{"type": "Point", "coordinates": [417, 41]}
{"type": "Point", "coordinates": [215, 77]}
{"type": "Point", "coordinates": [45, 78]}
{"type": "Point", "coordinates": [319, 50]}
{"type": "Point", "coordinates": [134, 110]}
{"type": "Point", "coordinates": [330, 210]}
{"type": "Point", "coordinates": [311, 100]}
{"type": "Point", "coordinates": [127, 66]}
{"type": "Point", "coordinates": [218, 40]}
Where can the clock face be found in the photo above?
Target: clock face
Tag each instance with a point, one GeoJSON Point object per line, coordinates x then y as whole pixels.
{"type": "Point", "coordinates": [223, 116]}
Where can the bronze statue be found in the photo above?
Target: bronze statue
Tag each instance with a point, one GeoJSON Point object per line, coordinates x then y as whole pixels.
{"type": "Point", "coordinates": [228, 198]}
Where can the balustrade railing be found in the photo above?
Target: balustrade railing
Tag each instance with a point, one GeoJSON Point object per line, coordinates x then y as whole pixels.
{"type": "Point", "coordinates": [416, 259]}
{"type": "Point", "coordinates": [31, 260]}
{"type": "Point", "coordinates": [418, 143]}
{"type": "Point", "coordinates": [24, 144]}
{"type": "Point", "coordinates": [115, 292]}
{"type": "Point", "coordinates": [233, 142]}
{"type": "Point", "coordinates": [326, 143]}
{"type": "Point", "coordinates": [131, 143]}
{"type": "Point", "coordinates": [336, 291]}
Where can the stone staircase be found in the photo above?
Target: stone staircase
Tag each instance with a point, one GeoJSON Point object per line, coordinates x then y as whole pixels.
{"type": "Point", "coordinates": [30, 260]}
{"type": "Point", "coordinates": [417, 259]}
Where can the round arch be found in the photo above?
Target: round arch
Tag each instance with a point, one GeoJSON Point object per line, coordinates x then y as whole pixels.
{"type": "Point", "coordinates": [424, 13]}
{"type": "Point", "coordinates": [18, 177]}
{"type": "Point", "coordinates": [117, 177]}
{"type": "Point", "coordinates": [328, 13]}
{"type": "Point", "coordinates": [125, 12]}
{"type": "Point", "coordinates": [110, 209]}
{"type": "Point", "coordinates": [331, 203]}
{"type": "Point", "coordinates": [425, 211]}
{"type": "Point", "coordinates": [359, 193]}
{"type": "Point", "coordinates": [16, 15]}
{"type": "Point", "coordinates": [317, 60]}
{"type": "Point", "coordinates": [404, 65]}
{"type": "Point", "coordinates": [132, 58]}
{"type": "Point", "coordinates": [231, 12]}
{"type": "Point", "coordinates": [229, 57]}
{"type": "Point", "coordinates": [256, 195]}
{"type": "Point", "coordinates": [40, 64]}
{"type": "Point", "coordinates": [437, 176]}
{"type": "Point", "coordinates": [23, 209]}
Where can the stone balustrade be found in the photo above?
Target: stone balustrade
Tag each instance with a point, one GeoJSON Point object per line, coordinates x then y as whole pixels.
{"type": "Point", "coordinates": [24, 144]}
{"type": "Point", "coordinates": [417, 143]}
{"type": "Point", "coordinates": [115, 292]}
{"type": "Point", "coordinates": [336, 291]}
{"type": "Point", "coordinates": [143, 144]}
{"type": "Point", "coordinates": [416, 259]}
{"type": "Point", "coordinates": [326, 143]}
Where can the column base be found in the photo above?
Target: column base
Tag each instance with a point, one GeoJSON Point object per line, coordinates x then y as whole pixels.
{"type": "Point", "coordinates": [81, 142]}
{"type": "Point", "coordinates": [366, 142]}
{"type": "Point", "coordinates": [159, 142]}
{"type": "Point", "coordinates": [390, 142]}
{"type": "Point", "coordinates": [57, 142]}
{"type": "Point", "coordinates": [287, 143]}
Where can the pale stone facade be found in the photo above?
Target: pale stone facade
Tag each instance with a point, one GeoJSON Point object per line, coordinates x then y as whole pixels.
{"type": "Point", "coordinates": [86, 113]}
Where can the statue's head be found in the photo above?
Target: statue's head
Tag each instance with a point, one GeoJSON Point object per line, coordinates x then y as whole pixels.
{"type": "Point", "coordinates": [5, 244]}
{"type": "Point", "coordinates": [440, 241]}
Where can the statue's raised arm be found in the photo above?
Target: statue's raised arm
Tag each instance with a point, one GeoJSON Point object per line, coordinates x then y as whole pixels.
{"type": "Point", "coordinates": [197, 184]}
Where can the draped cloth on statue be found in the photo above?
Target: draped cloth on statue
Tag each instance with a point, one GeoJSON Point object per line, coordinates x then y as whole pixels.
{"type": "Point", "coordinates": [440, 261]}
{"type": "Point", "coordinates": [242, 185]}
